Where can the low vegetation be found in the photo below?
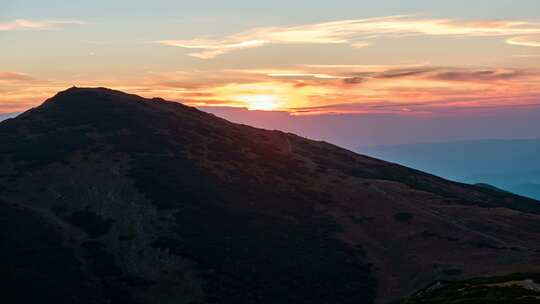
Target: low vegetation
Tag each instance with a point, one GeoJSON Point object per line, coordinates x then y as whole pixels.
{"type": "Point", "coordinates": [512, 289]}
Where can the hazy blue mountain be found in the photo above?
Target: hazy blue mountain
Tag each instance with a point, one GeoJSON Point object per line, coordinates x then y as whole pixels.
{"type": "Point", "coordinates": [4, 116]}
{"type": "Point", "coordinates": [512, 165]}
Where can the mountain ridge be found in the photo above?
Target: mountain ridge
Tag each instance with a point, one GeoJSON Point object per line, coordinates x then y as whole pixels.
{"type": "Point", "coordinates": [155, 201]}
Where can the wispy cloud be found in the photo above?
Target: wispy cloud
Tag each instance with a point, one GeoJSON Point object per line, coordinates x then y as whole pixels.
{"type": "Point", "coordinates": [319, 89]}
{"type": "Point", "coordinates": [359, 74]}
{"type": "Point", "coordinates": [440, 74]}
{"type": "Point", "coordinates": [526, 56]}
{"type": "Point", "coordinates": [483, 75]}
{"type": "Point", "coordinates": [407, 89]}
{"type": "Point", "coordinates": [20, 91]}
{"type": "Point", "coordinates": [25, 24]}
{"type": "Point", "coordinates": [533, 41]}
{"type": "Point", "coordinates": [14, 76]}
{"type": "Point", "coordinates": [356, 33]}
{"type": "Point", "coordinates": [213, 48]}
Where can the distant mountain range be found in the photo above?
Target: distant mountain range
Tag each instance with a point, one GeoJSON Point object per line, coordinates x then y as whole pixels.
{"type": "Point", "coordinates": [512, 165]}
{"type": "Point", "coordinates": [107, 197]}
{"type": "Point", "coordinates": [7, 115]}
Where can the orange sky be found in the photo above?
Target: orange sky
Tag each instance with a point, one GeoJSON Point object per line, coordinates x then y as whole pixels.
{"type": "Point", "coordinates": [406, 64]}
{"type": "Point", "coordinates": [310, 89]}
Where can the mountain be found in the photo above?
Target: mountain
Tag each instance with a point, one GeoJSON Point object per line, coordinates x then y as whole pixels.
{"type": "Point", "coordinates": [7, 115]}
{"type": "Point", "coordinates": [107, 197]}
{"type": "Point", "coordinates": [512, 165]}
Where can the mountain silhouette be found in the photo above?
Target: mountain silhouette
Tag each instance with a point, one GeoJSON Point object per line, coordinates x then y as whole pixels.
{"type": "Point", "coordinates": [107, 197]}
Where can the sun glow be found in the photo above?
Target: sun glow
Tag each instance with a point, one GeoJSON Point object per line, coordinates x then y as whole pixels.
{"type": "Point", "coordinates": [260, 102]}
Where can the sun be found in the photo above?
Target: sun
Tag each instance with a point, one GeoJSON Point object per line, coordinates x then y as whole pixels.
{"type": "Point", "coordinates": [260, 102]}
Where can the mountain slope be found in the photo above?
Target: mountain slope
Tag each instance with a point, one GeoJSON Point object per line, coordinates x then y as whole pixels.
{"type": "Point", "coordinates": [110, 197]}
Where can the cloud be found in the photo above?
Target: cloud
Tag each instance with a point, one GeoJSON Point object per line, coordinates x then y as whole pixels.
{"type": "Point", "coordinates": [24, 24]}
{"type": "Point", "coordinates": [353, 80]}
{"type": "Point", "coordinates": [407, 89]}
{"type": "Point", "coordinates": [526, 56]}
{"type": "Point", "coordinates": [14, 76]}
{"type": "Point", "coordinates": [213, 48]}
{"type": "Point", "coordinates": [361, 44]}
{"type": "Point", "coordinates": [434, 74]}
{"type": "Point", "coordinates": [533, 41]}
{"type": "Point", "coordinates": [478, 75]}
{"type": "Point", "coordinates": [290, 73]}
{"type": "Point", "coordinates": [403, 73]}
{"type": "Point", "coordinates": [366, 67]}
{"type": "Point", "coordinates": [445, 74]}
{"type": "Point", "coordinates": [357, 33]}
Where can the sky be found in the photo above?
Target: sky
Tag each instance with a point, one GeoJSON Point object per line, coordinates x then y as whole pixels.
{"type": "Point", "coordinates": [416, 60]}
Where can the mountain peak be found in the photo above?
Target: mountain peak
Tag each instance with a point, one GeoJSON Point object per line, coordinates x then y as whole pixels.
{"type": "Point", "coordinates": [73, 91]}
{"type": "Point", "coordinates": [103, 106]}
{"type": "Point", "coordinates": [89, 94]}
{"type": "Point", "coordinates": [100, 99]}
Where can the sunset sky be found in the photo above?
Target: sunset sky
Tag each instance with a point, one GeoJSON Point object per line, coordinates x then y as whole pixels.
{"type": "Point", "coordinates": [422, 58]}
